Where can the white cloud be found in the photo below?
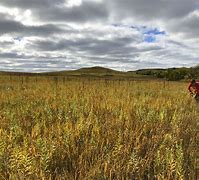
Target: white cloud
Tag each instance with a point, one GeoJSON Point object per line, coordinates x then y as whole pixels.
{"type": "Point", "coordinates": [71, 3]}
{"type": "Point", "coordinates": [51, 35]}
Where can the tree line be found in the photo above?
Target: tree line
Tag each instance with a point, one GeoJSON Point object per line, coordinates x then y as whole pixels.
{"type": "Point", "coordinates": [171, 74]}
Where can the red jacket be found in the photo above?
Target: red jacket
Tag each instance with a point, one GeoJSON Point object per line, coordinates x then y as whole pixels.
{"type": "Point", "coordinates": [194, 88]}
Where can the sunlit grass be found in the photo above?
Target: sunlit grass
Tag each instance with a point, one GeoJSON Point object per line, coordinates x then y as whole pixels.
{"type": "Point", "coordinates": [83, 129]}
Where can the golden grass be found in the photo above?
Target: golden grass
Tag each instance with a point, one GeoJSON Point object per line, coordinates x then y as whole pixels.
{"type": "Point", "coordinates": [83, 129]}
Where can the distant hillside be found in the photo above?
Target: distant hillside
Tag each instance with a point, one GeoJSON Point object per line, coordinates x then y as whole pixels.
{"type": "Point", "coordinates": [97, 71]}
{"type": "Point", "coordinates": [18, 73]}
{"type": "Point", "coordinates": [171, 73]}
{"type": "Point", "coordinates": [88, 71]}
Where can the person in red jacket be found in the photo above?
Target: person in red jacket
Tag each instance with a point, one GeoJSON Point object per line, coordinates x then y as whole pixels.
{"type": "Point", "coordinates": [194, 89]}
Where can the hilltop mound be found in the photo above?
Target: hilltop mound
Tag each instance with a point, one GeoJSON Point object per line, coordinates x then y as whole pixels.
{"type": "Point", "coordinates": [97, 70]}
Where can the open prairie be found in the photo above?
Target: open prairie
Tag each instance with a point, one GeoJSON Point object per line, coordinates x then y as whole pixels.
{"type": "Point", "coordinates": [80, 128]}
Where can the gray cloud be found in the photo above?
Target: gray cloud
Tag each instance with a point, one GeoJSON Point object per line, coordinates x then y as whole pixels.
{"type": "Point", "coordinates": [87, 12]}
{"type": "Point", "coordinates": [50, 10]}
{"type": "Point", "coordinates": [15, 62]}
{"type": "Point", "coordinates": [172, 14]}
{"type": "Point", "coordinates": [153, 9]}
{"type": "Point", "coordinates": [56, 37]}
{"type": "Point", "coordinates": [31, 3]}
{"type": "Point", "coordinates": [88, 45]}
{"type": "Point", "coordinates": [188, 26]}
{"type": "Point", "coordinates": [9, 26]}
{"type": "Point", "coordinates": [13, 55]}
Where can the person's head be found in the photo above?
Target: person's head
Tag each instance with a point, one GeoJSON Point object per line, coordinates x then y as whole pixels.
{"type": "Point", "coordinates": [193, 82]}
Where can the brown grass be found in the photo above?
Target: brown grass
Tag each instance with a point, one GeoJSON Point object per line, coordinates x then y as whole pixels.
{"type": "Point", "coordinates": [83, 129]}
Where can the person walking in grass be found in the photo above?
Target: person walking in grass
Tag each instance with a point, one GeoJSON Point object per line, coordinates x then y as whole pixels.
{"type": "Point", "coordinates": [194, 89]}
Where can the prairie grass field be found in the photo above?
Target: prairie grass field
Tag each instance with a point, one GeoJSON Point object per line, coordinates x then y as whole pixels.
{"type": "Point", "coordinates": [55, 128]}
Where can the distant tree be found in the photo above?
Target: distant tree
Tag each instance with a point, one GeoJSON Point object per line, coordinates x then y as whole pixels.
{"type": "Point", "coordinates": [160, 74]}
{"type": "Point", "coordinates": [174, 75]}
{"type": "Point", "coordinates": [194, 72]}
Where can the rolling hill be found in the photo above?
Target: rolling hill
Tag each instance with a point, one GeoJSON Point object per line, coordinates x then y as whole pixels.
{"type": "Point", "coordinates": [102, 72]}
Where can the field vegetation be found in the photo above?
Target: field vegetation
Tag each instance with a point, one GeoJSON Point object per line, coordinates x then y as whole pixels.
{"type": "Point", "coordinates": [59, 128]}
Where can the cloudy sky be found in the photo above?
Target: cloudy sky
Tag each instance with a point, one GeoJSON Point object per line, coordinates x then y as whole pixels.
{"type": "Point", "coordinates": [51, 35]}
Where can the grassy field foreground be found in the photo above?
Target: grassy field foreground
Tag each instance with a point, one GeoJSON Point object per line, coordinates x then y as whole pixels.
{"type": "Point", "coordinates": [81, 129]}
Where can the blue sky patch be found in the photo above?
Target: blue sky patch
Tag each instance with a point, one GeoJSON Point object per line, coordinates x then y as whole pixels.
{"type": "Point", "coordinates": [144, 29]}
{"type": "Point", "coordinates": [149, 34]}
{"type": "Point", "coordinates": [154, 31]}
{"type": "Point", "coordinates": [149, 39]}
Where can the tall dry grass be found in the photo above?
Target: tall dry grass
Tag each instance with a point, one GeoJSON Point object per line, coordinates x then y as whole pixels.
{"type": "Point", "coordinates": [99, 129]}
